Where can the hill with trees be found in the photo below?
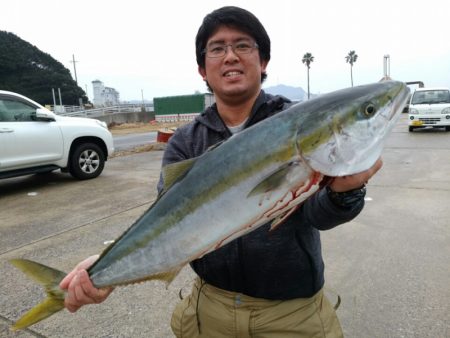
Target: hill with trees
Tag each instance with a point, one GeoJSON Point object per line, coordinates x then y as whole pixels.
{"type": "Point", "coordinates": [26, 70]}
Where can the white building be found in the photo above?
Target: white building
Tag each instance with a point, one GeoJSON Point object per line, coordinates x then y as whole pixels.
{"type": "Point", "coordinates": [104, 96]}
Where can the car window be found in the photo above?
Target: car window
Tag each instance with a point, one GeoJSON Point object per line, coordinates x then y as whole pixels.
{"type": "Point", "coordinates": [431, 97]}
{"type": "Point", "coordinates": [13, 111]}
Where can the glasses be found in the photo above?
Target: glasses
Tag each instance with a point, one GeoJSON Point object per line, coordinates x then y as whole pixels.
{"type": "Point", "coordinates": [217, 50]}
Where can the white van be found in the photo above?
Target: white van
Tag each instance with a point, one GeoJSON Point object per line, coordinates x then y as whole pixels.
{"type": "Point", "coordinates": [429, 107]}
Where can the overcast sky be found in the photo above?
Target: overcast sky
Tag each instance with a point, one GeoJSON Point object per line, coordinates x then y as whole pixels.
{"type": "Point", "coordinates": [149, 45]}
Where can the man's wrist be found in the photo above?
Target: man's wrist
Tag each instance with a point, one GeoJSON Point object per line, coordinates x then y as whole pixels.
{"type": "Point", "coordinates": [346, 199]}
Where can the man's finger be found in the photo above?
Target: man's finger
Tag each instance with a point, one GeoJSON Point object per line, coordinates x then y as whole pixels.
{"type": "Point", "coordinates": [95, 295]}
{"type": "Point", "coordinates": [64, 284]}
{"type": "Point", "coordinates": [79, 289]}
{"type": "Point", "coordinates": [87, 262]}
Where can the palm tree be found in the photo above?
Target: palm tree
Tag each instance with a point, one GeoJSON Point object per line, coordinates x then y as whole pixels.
{"type": "Point", "coordinates": [351, 59]}
{"type": "Point", "coordinates": [307, 59]}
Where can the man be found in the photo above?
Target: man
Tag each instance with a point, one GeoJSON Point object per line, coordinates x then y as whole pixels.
{"type": "Point", "coordinates": [262, 284]}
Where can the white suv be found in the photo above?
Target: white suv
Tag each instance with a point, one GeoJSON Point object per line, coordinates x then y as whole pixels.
{"type": "Point", "coordinates": [35, 140]}
{"type": "Point", "coordinates": [429, 107]}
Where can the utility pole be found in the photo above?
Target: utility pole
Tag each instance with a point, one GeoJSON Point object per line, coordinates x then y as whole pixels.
{"type": "Point", "coordinates": [60, 99]}
{"type": "Point", "coordinates": [54, 100]}
{"type": "Point", "coordinates": [387, 66]}
{"type": "Point", "coordinates": [74, 68]}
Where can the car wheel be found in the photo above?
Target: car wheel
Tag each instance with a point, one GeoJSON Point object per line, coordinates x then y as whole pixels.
{"type": "Point", "coordinates": [411, 129]}
{"type": "Point", "coordinates": [447, 128]}
{"type": "Point", "coordinates": [87, 161]}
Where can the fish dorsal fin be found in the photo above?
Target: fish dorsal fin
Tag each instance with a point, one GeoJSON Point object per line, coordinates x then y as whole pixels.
{"type": "Point", "coordinates": [271, 182]}
{"type": "Point", "coordinates": [172, 172]}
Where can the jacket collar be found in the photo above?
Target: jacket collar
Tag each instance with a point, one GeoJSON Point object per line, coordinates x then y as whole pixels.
{"type": "Point", "coordinates": [211, 118]}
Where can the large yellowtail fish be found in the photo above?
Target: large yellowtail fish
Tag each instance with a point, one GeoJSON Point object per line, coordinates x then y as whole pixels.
{"type": "Point", "coordinates": [257, 176]}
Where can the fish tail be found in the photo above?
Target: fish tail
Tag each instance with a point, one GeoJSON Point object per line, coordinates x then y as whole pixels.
{"type": "Point", "coordinates": [49, 278]}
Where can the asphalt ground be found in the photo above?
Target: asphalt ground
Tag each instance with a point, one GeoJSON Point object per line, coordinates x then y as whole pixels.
{"type": "Point", "coordinates": [390, 265]}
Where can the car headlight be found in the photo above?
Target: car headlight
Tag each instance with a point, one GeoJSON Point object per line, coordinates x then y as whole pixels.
{"type": "Point", "coordinates": [101, 123]}
{"type": "Point", "coordinates": [446, 111]}
{"type": "Point", "coordinates": [413, 111]}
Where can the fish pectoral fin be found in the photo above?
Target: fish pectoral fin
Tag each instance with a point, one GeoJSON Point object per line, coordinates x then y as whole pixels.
{"type": "Point", "coordinates": [271, 182]}
{"type": "Point", "coordinates": [47, 277]}
{"type": "Point", "coordinates": [172, 172]}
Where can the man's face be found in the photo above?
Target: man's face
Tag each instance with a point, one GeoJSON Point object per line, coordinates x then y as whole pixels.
{"type": "Point", "coordinates": [233, 76]}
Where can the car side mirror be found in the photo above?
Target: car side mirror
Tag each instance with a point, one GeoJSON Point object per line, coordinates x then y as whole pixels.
{"type": "Point", "coordinates": [43, 114]}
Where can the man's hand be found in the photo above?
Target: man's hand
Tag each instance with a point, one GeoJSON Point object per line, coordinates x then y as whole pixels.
{"type": "Point", "coordinates": [347, 183]}
{"type": "Point", "coordinates": [80, 290]}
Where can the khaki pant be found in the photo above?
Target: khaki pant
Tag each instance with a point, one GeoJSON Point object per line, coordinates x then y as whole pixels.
{"type": "Point", "coordinates": [217, 313]}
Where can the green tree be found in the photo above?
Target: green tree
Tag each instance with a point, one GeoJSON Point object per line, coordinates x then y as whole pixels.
{"type": "Point", "coordinates": [307, 59]}
{"type": "Point", "coordinates": [351, 59]}
{"type": "Point", "coordinates": [28, 71]}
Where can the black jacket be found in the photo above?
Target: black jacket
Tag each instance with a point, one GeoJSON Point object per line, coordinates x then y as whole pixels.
{"type": "Point", "coordinates": [285, 263]}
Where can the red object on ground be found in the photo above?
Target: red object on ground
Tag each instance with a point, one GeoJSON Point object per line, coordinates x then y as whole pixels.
{"type": "Point", "coordinates": [164, 135]}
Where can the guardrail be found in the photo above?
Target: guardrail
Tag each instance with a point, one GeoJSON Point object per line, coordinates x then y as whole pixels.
{"type": "Point", "coordinates": [123, 108]}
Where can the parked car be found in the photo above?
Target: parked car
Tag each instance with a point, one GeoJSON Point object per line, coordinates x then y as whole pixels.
{"type": "Point", "coordinates": [429, 107]}
{"type": "Point", "coordinates": [35, 140]}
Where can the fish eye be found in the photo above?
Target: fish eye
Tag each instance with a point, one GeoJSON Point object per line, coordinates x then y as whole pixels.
{"type": "Point", "coordinates": [369, 109]}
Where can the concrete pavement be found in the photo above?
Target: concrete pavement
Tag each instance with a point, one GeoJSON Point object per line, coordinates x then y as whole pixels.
{"type": "Point", "coordinates": [390, 265]}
